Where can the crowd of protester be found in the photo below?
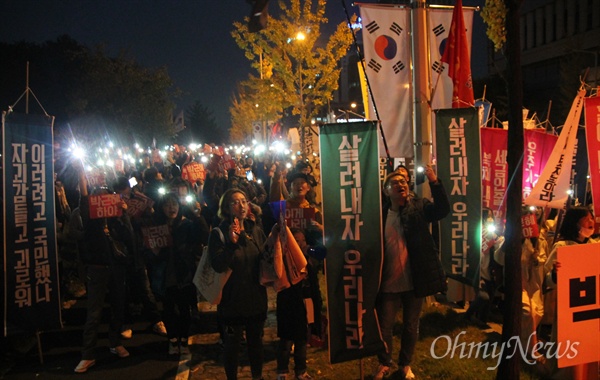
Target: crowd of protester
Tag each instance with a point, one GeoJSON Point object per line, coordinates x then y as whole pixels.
{"type": "Point", "coordinates": [234, 193]}
{"type": "Point", "coordinates": [230, 189]}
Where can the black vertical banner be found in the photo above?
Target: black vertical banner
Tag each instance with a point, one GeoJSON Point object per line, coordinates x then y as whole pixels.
{"type": "Point", "coordinates": [31, 283]}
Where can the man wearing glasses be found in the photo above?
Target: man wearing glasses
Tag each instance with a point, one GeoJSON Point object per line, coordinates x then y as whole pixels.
{"type": "Point", "coordinates": [411, 266]}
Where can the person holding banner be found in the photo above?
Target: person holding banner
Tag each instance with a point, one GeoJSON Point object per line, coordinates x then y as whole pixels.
{"type": "Point", "coordinates": [179, 258]}
{"type": "Point", "coordinates": [107, 239]}
{"type": "Point", "coordinates": [137, 275]}
{"type": "Point", "coordinates": [243, 305]}
{"type": "Point", "coordinates": [411, 266]}
{"type": "Point", "coordinates": [577, 227]}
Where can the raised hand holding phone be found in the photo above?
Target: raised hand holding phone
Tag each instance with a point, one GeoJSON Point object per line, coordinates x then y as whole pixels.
{"type": "Point", "coordinates": [234, 230]}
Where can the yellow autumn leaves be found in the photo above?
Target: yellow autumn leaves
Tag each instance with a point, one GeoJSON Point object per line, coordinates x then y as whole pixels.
{"type": "Point", "coordinates": [494, 15]}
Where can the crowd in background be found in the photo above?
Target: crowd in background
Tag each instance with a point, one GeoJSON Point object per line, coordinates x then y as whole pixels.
{"type": "Point", "coordinates": [263, 178]}
{"type": "Point", "coordinates": [232, 190]}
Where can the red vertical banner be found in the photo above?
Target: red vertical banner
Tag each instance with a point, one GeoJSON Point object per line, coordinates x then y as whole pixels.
{"type": "Point", "coordinates": [592, 135]}
{"type": "Point", "coordinates": [456, 55]}
{"type": "Point", "coordinates": [494, 170]}
{"type": "Point", "coordinates": [538, 148]}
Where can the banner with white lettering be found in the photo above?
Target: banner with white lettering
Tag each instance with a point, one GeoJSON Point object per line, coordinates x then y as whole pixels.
{"type": "Point", "coordinates": [457, 140]}
{"type": "Point", "coordinates": [578, 304]}
{"type": "Point", "coordinates": [551, 189]}
{"type": "Point", "coordinates": [105, 206]}
{"type": "Point", "coordinates": [32, 291]}
{"type": "Point", "coordinates": [592, 131]}
{"type": "Point", "coordinates": [353, 237]}
{"type": "Point", "coordinates": [494, 173]}
{"type": "Point", "coordinates": [538, 149]}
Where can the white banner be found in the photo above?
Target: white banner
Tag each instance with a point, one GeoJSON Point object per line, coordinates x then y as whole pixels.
{"type": "Point", "coordinates": [387, 60]}
{"type": "Point", "coordinates": [553, 184]}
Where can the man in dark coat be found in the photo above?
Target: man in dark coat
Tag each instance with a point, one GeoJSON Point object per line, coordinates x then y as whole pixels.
{"type": "Point", "coordinates": [411, 266]}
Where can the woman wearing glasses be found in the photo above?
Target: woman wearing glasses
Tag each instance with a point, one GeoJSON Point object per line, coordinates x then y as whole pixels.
{"type": "Point", "coordinates": [243, 306]}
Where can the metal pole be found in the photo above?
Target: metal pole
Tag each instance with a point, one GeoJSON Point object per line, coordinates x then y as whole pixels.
{"type": "Point", "coordinates": [27, 90]}
{"type": "Point", "coordinates": [421, 85]}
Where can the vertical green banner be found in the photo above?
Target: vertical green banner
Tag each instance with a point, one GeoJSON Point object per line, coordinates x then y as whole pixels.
{"type": "Point", "coordinates": [353, 237]}
{"type": "Point", "coordinates": [458, 161]}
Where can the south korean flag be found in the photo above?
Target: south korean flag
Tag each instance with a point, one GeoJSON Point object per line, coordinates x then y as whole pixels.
{"type": "Point", "coordinates": [387, 60]}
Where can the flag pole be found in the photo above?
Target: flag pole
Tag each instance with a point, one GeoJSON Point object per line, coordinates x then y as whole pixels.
{"type": "Point", "coordinates": [370, 93]}
{"type": "Point", "coordinates": [423, 142]}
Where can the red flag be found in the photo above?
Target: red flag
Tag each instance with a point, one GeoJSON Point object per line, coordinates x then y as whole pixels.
{"type": "Point", "coordinates": [456, 55]}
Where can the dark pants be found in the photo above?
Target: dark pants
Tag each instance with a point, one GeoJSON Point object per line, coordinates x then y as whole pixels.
{"type": "Point", "coordinates": [283, 356]}
{"type": "Point", "coordinates": [100, 281]}
{"type": "Point", "coordinates": [388, 305]}
{"type": "Point", "coordinates": [140, 291]}
{"type": "Point", "coordinates": [232, 341]}
{"type": "Point", "coordinates": [177, 311]}
{"type": "Point", "coordinates": [482, 304]}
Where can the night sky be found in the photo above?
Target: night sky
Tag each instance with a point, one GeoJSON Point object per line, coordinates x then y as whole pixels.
{"type": "Point", "coordinates": [191, 37]}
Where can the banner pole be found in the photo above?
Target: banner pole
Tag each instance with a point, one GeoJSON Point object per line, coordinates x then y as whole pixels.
{"type": "Point", "coordinates": [423, 141]}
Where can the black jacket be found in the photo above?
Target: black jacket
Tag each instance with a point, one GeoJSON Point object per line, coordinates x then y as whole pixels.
{"type": "Point", "coordinates": [428, 276]}
{"type": "Point", "coordinates": [97, 247]}
{"type": "Point", "coordinates": [243, 295]}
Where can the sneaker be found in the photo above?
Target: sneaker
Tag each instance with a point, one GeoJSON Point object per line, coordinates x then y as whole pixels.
{"type": "Point", "coordinates": [382, 371]}
{"type": "Point", "coordinates": [173, 348]}
{"type": "Point", "coordinates": [127, 334]}
{"type": "Point", "coordinates": [159, 328]}
{"type": "Point", "coordinates": [304, 376]}
{"type": "Point", "coordinates": [408, 373]}
{"type": "Point", "coordinates": [84, 365]}
{"type": "Point", "coordinates": [120, 351]}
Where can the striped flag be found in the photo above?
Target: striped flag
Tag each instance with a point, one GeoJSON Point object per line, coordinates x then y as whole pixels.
{"type": "Point", "coordinates": [387, 58]}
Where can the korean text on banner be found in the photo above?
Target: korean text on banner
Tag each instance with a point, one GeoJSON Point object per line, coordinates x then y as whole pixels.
{"type": "Point", "coordinates": [353, 237]}
{"type": "Point", "coordinates": [494, 172]}
{"type": "Point", "coordinates": [32, 292]}
{"type": "Point", "coordinates": [578, 304]}
{"type": "Point", "coordinates": [538, 149]}
{"type": "Point", "coordinates": [551, 189]}
{"type": "Point", "coordinates": [458, 140]}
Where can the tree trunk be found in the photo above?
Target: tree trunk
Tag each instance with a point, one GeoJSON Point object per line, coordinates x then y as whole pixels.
{"type": "Point", "coordinates": [510, 367]}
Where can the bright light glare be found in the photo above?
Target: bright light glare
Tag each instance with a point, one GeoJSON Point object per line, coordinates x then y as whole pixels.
{"type": "Point", "coordinates": [162, 191]}
{"type": "Point", "coordinates": [491, 228]}
{"type": "Point", "coordinates": [531, 208]}
{"type": "Point", "coordinates": [259, 149]}
{"type": "Point", "coordinates": [78, 152]}
{"type": "Point", "coordinates": [420, 169]}
{"type": "Point", "coordinates": [570, 192]}
{"type": "Point", "coordinates": [204, 159]}
{"type": "Point", "coordinates": [288, 165]}
{"type": "Point", "coordinates": [189, 198]}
